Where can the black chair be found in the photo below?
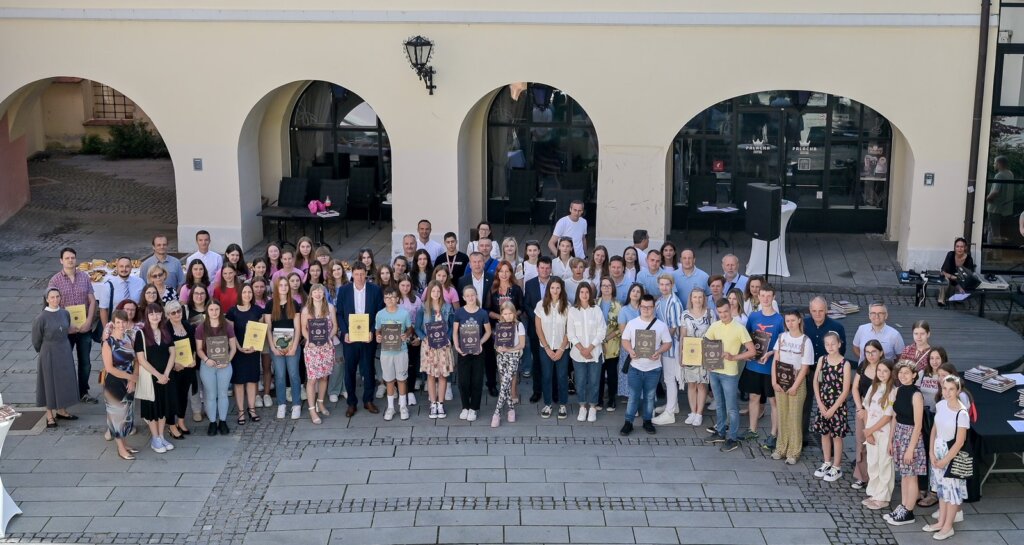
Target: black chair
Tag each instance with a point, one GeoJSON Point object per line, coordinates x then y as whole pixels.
{"type": "Point", "coordinates": [522, 193]}
{"type": "Point", "coordinates": [292, 193]}
{"type": "Point", "coordinates": [337, 190]}
{"type": "Point", "coordinates": [563, 199]}
{"type": "Point", "coordinates": [314, 174]}
{"type": "Point", "coordinates": [576, 181]}
{"type": "Point", "coordinates": [362, 192]}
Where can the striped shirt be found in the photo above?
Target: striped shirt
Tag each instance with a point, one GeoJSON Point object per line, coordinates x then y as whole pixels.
{"type": "Point", "coordinates": [668, 309]}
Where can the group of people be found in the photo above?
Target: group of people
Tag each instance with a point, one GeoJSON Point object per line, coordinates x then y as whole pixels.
{"type": "Point", "coordinates": [176, 336]}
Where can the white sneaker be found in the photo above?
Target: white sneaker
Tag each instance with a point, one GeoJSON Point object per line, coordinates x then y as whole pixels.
{"type": "Point", "coordinates": [546, 412]}
{"type": "Point", "coordinates": [659, 410]}
{"type": "Point", "coordinates": [403, 412]}
{"type": "Point", "coordinates": [259, 402]}
{"type": "Point", "coordinates": [167, 445]}
{"type": "Point", "coordinates": [664, 419]}
{"type": "Point", "coordinates": [389, 413]}
{"type": "Point", "coordinates": [280, 411]}
{"type": "Point", "coordinates": [381, 390]}
{"type": "Point", "coordinates": [302, 393]}
{"type": "Point", "coordinates": [288, 395]}
{"type": "Point", "coordinates": [440, 411]}
{"type": "Point", "coordinates": [419, 384]}
{"type": "Point", "coordinates": [959, 516]}
{"type": "Point", "coordinates": [344, 394]}
{"type": "Point", "coordinates": [333, 398]}
{"type": "Point", "coordinates": [464, 414]}
{"type": "Point", "coordinates": [698, 419]}
{"type": "Point", "coordinates": [296, 412]}
{"type": "Point", "coordinates": [448, 393]}
{"type": "Point", "coordinates": [583, 414]}
{"type": "Point", "coordinates": [471, 416]}
{"type": "Point", "coordinates": [822, 470]}
{"type": "Point", "coordinates": [267, 402]}
{"type": "Point", "coordinates": [410, 399]}
{"type": "Point", "coordinates": [592, 414]}
{"type": "Point", "coordinates": [433, 411]}
{"type": "Point", "coordinates": [833, 474]}
{"type": "Point", "coordinates": [689, 419]}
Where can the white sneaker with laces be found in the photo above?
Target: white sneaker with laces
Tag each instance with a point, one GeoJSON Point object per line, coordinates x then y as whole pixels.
{"type": "Point", "coordinates": [410, 399]}
{"type": "Point", "coordinates": [464, 414]}
{"type": "Point", "coordinates": [664, 419]}
{"type": "Point", "coordinates": [267, 402]}
{"type": "Point", "coordinates": [381, 390]}
{"type": "Point", "coordinates": [433, 411]}
{"type": "Point", "coordinates": [280, 411]}
{"type": "Point", "coordinates": [448, 393]}
{"type": "Point", "coordinates": [833, 474]}
{"type": "Point", "coordinates": [698, 420]}
{"type": "Point", "coordinates": [822, 470]}
{"type": "Point", "coordinates": [389, 413]}
{"type": "Point", "coordinates": [592, 414]}
{"type": "Point", "coordinates": [296, 412]}
{"type": "Point", "coordinates": [689, 419]}
{"type": "Point", "coordinates": [440, 411]}
{"type": "Point", "coordinates": [333, 398]}
{"type": "Point", "coordinates": [259, 402]}
{"type": "Point", "coordinates": [471, 416]}
{"type": "Point", "coordinates": [582, 417]}
{"type": "Point", "coordinates": [403, 412]}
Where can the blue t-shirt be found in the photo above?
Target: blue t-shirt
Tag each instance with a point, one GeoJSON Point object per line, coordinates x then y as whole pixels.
{"type": "Point", "coordinates": [399, 316]}
{"type": "Point", "coordinates": [774, 324]}
{"type": "Point", "coordinates": [628, 313]}
{"type": "Point", "coordinates": [686, 284]}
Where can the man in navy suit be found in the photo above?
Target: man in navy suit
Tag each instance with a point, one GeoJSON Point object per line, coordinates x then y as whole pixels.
{"type": "Point", "coordinates": [477, 277]}
{"type": "Point", "coordinates": [535, 290]}
{"type": "Point", "coordinates": [359, 297]}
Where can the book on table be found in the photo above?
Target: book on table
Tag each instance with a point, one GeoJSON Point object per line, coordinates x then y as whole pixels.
{"type": "Point", "coordinates": [391, 337]}
{"type": "Point", "coordinates": [437, 334]}
{"type": "Point", "coordinates": [217, 348]}
{"type": "Point", "coordinates": [77, 313]}
{"type": "Point", "coordinates": [713, 355]}
{"type": "Point", "coordinates": [505, 335]}
{"type": "Point", "coordinates": [645, 343]}
{"type": "Point", "coordinates": [359, 328]}
{"type": "Point", "coordinates": [469, 337]}
{"type": "Point", "coordinates": [693, 351]}
{"type": "Point", "coordinates": [255, 335]}
{"type": "Point", "coordinates": [999, 384]}
{"type": "Point", "coordinates": [183, 353]}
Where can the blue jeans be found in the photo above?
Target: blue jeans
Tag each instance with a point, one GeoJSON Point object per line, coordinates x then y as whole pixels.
{"type": "Point", "coordinates": [82, 345]}
{"type": "Point", "coordinates": [215, 388]}
{"type": "Point", "coordinates": [561, 370]}
{"type": "Point", "coordinates": [588, 379]}
{"type": "Point", "coordinates": [642, 385]}
{"type": "Point", "coordinates": [726, 390]}
{"type": "Point", "coordinates": [289, 365]}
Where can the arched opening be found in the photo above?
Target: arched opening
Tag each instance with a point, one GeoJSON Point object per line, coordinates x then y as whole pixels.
{"type": "Point", "coordinates": [832, 155]}
{"type": "Point", "coordinates": [76, 156]}
{"type": "Point", "coordinates": [541, 154]}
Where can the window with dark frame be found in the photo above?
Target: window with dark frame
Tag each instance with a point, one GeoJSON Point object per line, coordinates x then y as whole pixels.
{"type": "Point", "coordinates": [108, 103]}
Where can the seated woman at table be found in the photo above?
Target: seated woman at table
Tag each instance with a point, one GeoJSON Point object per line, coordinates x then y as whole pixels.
{"type": "Point", "coordinates": [958, 257]}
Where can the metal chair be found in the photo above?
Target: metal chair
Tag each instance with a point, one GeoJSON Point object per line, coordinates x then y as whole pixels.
{"type": "Point", "coordinates": [314, 174]}
{"type": "Point", "coordinates": [522, 193]}
{"type": "Point", "coordinates": [292, 193]}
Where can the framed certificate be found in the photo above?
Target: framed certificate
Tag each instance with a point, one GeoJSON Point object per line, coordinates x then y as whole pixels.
{"type": "Point", "coordinates": [469, 337]}
{"type": "Point", "coordinates": [646, 343]}
{"type": "Point", "coordinates": [762, 341]}
{"type": "Point", "coordinates": [319, 330]}
{"type": "Point", "coordinates": [693, 351]}
{"type": "Point", "coordinates": [77, 313]}
{"type": "Point", "coordinates": [183, 353]}
{"type": "Point", "coordinates": [785, 375]}
{"type": "Point", "coordinates": [218, 348]}
{"type": "Point", "coordinates": [359, 328]}
{"type": "Point", "coordinates": [255, 335]}
{"type": "Point", "coordinates": [437, 334]}
{"type": "Point", "coordinates": [505, 334]}
{"type": "Point", "coordinates": [391, 337]}
{"type": "Point", "coordinates": [713, 355]}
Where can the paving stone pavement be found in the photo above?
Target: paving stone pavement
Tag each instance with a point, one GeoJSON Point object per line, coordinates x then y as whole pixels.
{"type": "Point", "coordinates": [363, 480]}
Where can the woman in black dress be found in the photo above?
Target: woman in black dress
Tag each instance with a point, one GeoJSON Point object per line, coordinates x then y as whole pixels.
{"type": "Point", "coordinates": [183, 376]}
{"type": "Point", "coordinates": [246, 363]}
{"type": "Point", "coordinates": [958, 257]}
{"type": "Point", "coordinates": [154, 350]}
{"type": "Point", "coordinates": [57, 377]}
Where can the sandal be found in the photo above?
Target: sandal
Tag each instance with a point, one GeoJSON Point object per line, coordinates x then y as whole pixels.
{"type": "Point", "coordinates": [927, 501]}
{"type": "Point", "coordinates": [322, 408]}
{"type": "Point", "coordinates": [171, 430]}
{"type": "Point", "coordinates": [51, 423]}
{"type": "Point", "coordinates": [253, 416]}
{"type": "Point", "coordinates": [313, 416]}
{"type": "Point", "coordinates": [241, 418]}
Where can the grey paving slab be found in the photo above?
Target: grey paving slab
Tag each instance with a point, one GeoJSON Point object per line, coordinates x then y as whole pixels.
{"type": "Point", "coordinates": [524, 475]}
{"type": "Point", "coordinates": [600, 534]}
{"type": "Point", "coordinates": [385, 536]}
{"type": "Point", "coordinates": [720, 536]}
{"type": "Point", "coordinates": [773, 492]}
{"type": "Point", "coordinates": [165, 493]}
{"type": "Point", "coordinates": [577, 461]}
{"type": "Point", "coordinates": [320, 521]}
{"type": "Point", "coordinates": [585, 490]}
{"type": "Point", "coordinates": [162, 525]}
{"type": "Point", "coordinates": [371, 451]}
{"type": "Point", "coordinates": [127, 479]}
{"type": "Point", "coordinates": [306, 492]}
{"type": "Point", "coordinates": [181, 509]}
{"type": "Point", "coordinates": [655, 490]}
{"type": "Point", "coordinates": [356, 491]}
{"type": "Point", "coordinates": [536, 534]}
{"type": "Point", "coordinates": [14, 480]}
{"type": "Point", "coordinates": [680, 476]}
{"type": "Point", "coordinates": [304, 464]}
{"type": "Point", "coordinates": [140, 508]}
{"type": "Point", "coordinates": [418, 476]}
{"type": "Point", "coordinates": [592, 476]}
{"type": "Point", "coordinates": [782, 520]}
{"type": "Point", "coordinates": [328, 434]}
{"type": "Point", "coordinates": [561, 517]}
{"type": "Point", "coordinates": [468, 518]}
{"type": "Point", "coordinates": [625, 518]}
{"type": "Point", "coordinates": [448, 462]}
{"type": "Point", "coordinates": [1012, 537]}
{"type": "Point", "coordinates": [464, 490]}
{"type": "Point", "coordinates": [696, 519]}
{"type": "Point", "coordinates": [320, 478]}
{"type": "Point", "coordinates": [485, 475]}
{"type": "Point", "coordinates": [647, 462]}
{"type": "Point", "coordinates": [62, 493]}
{"type": "Point", "coordinates": [348, 464]}
{"type": "Point", "coordinates": [506, 449]}
{"type": "Point", "coordinates": [177, 466]}
{"type": "Point", "coordinates": [655, 535]}
{"type": "Point", "coordinates": [525, 489]}
{"type": "Point", "coordinates": [568, 451]}
{"type": "Point", "coordinates": [61, 525]}
{"type": "Point", "coordinates": [441, 450]}
{"type": "Point", "coordinates": [1017, 519]}
{"type": "Point", "coordinates": [387, 519]}
{"type": "Point", "coordinates": [470, 534]}
{"type": "Point", "coordinates": [90, 508]}
{"type": "Point", "coordinates": [306, 537]}
{"type": "Point", "coordinates": [796, 536]}
{"type": "Point", "coordinates": [26, 523]}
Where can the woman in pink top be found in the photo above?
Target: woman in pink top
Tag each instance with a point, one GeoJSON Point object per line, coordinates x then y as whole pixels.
{"type": "Point", "coordinates": [450, 295]}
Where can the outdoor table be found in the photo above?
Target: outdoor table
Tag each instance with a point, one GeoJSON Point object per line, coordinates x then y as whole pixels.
{"type": "Point", "coordinates": [7, 508]}
{"type": "Point", "coordinates": [717, 213]}
{"type": "Point", "coordinates": [772, 253]}
{"type": "Point", "coordinates": [991, 435]}
{"type": "Point", "coordinates": [281, 215]}
{"type": "Point", "coordinates": [921, 281]}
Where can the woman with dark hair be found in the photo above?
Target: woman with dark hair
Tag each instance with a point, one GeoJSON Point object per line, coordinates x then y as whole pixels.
{"type": "Point", "coordinates": [56, 374]}
{"type": "Point", "coordinates": [304, 253]}
{"type": "Point", "coordinates": [956, 258]}
{"type": "Point", "coordinates": [131, 309]}
{"type": "Point", "coordinates": [260, 268]}
{"type": "Point", "coordinates": [119, 379]}
{"type": "Point", "coordinates": [365, 256]}
{"type": "Point", "coordinates": [215, 368]}
{"type": "Point", "coordinates": [385, 278]}
{"type": "Point", "coordinates": [195, 275]}
{"type": "Point", "coordinates": [669, 257]}
{"type": "Point", "coordinates": [597, 266]}
{"type": "Point", "coordinates": [420, 272]}
{"type": "Point", "coordinates": [552, 316]}
{"type": "Point", "coordinates": [483, 230]}
{"type": "Point", "coordinates": [225, 288]}
{"type": "Point", "coordinates": [245, 367]}
{"type": "Point", "coordinates": [183, 376]}
{"type": "Point", "coordinates": [400, 265]}
{"type": "Point", "coordinates": [150, 295]}
{"type": "Point", "coordinates": [233, 257]}
{"type": "Point", "coordinates": [315, 274]}
{"type": "Point", "coordinates": [873, 354]}
{"type": "Point", "coordinates": [273, 259]}
{"type": "Point", "coordinates": [282, 316]}
{"type": "Point", "coordinates": [154, 349]}
{"type": "Point", "coordinates": [629, 257]}
{"type": "Point", "coordinates": [296, 289]}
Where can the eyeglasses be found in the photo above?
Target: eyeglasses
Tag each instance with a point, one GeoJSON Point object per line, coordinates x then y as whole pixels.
{"type": "Point", "coordinates": [646, 307]}
{"type": "Point", "coordinates": [173, 312]}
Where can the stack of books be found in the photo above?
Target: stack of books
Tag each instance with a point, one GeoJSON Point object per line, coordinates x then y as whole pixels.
{"type": "Point", "coordinates": [999, 384]}
{"type": "Point", "coordinates": [8, 413]}
{"type": "Point", "coordinates": [328, 214]}
{"type": "Point", "coordinates": [980, 374]}
{"type": "Point", "coordinates": [1020, 397]}
{"type": "Point", "coordinates": [841, 309]}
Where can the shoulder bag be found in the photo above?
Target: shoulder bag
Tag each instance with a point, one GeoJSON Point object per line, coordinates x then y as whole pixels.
{"type": "Point", "coordinates": [626, 361]}
{"type": "Point", "coordinates": [144, 388]}
{"type": "Point", "coordinates": [962, 465]}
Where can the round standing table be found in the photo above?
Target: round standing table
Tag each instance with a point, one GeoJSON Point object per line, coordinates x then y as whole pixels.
{"type": "Point", "coordinates": [773, 252]}
{"type": "Point", "coordinates": [7, 508]}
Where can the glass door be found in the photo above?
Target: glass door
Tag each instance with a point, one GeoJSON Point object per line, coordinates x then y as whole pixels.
{"type": "Point", "coordinates": [805, 155]}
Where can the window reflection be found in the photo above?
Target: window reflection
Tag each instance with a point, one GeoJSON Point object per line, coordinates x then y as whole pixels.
{"type": "Point", "coordinates": [1002, 237]}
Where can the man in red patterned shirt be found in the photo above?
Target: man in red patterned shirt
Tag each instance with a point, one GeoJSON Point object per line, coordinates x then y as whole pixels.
{"type": "Point", "coordinates": [76, 289]}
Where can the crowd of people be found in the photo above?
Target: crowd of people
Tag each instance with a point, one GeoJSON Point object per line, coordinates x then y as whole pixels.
{"type": "Point", "coordinates": [179, 335]}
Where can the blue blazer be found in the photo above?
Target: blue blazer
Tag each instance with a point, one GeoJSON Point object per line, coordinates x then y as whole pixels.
{"type": "Point", "coordinates": [347, 305]}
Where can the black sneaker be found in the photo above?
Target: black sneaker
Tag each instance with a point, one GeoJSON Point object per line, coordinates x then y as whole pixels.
{"type": "Point", "coordinates": [711, 429]}
{"type": "Point", "coordinates": [223, 428]}
{"type": "Point", "coordinates": [627, 429]}
{"type": "Point", "coordinates": [86, 398]}
{"type": "Point", "coordinates": [900, 516]}
{"type": "Point", "coordinates": [212, 430]}
{"type": "Point", "coordinates": [730, 446]}
{"type": "Point", "coordinates": [714, 438]}
{"type": "Point", "coordinates": [649, 427]}
{"type": "Point", "coordinates": [534, 398]}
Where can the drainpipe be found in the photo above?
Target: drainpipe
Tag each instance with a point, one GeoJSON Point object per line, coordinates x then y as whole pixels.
{"type": "Point", "coordinates": [979, 99]}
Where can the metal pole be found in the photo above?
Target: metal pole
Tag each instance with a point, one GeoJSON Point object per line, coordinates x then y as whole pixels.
{"type": "Point", "coordinates": [979, 98]}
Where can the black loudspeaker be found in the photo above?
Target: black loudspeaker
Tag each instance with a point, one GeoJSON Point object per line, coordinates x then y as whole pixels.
{"type": "Point", "coordinates": [764, 211]}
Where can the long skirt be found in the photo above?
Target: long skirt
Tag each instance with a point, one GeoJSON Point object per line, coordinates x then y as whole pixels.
{"type": "Point", "coordinates": [949, 490]}
{"type": "Point", "coordinates": [120, 408]}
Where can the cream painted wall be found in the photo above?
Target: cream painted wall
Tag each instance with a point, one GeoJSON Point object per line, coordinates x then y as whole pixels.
{"type": "Point", "coordinates": [638, 83]}
{"type": "Point", "coordinates": [63, 107]}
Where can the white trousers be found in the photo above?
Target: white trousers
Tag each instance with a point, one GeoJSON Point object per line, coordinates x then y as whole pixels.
{"type": "Point", "coordinates": [672, 375]}
{"type": "Point", "coordinates": [881, 476]}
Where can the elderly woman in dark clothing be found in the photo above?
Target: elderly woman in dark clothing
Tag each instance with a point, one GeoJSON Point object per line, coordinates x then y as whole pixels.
{"type": "Point", "coordinates": [57, 382]}
{"type": "Point", "coordinates": [958, 257]}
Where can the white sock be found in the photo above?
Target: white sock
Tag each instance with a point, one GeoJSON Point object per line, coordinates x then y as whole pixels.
{"type": "Point", "coordinates": [391, 402]}
{"type": "Point", "coordinates": [402, 400]}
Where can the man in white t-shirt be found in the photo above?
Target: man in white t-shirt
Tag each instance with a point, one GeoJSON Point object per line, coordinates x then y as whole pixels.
{"type": "Point", "coordinates": [644, 373]}
{"type": "Point", "coordinates": [433, 247]}
{"type": "Point", "coordinates": [212, 260]}
{"type": "Point", "coordinates": [574, 227]}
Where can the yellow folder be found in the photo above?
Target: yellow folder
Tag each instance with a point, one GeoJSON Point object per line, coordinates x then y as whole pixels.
{"type": "Point", "coordinates": [77, 313]}
{"type": "Point", "coordinates": [693, 351]}
{"type": "Point", "coordinates": [183, 353]}
{"type": "Point", "coordinates": [359, 328]}
{"type": "Point", "coordinates": [255, 336]}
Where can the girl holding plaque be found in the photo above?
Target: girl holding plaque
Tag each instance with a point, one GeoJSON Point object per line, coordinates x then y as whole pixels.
{"type": "Point", "coordinates": [319, 326]}
{"type": "Point", "coordinates": [509, 357]}
{"type": "Point", "coordinates": [433, 328]}
{"type": "Point", "coordinates": [696, 320]}
{"type": "Point", "coordinates": [216, 347]}
{"type": "Point", "coordinates": [261, 298]}
{"type": "Point", "coordinates": [283, 316]}
{"type": "Point", "coordinates": [793, 356]}
{"type": "Point", "coordinates": [246, 363]}
{"type": "Point", "coordinates": [471, 330]}
{"type": "Point", "coordinates": [410, 301]}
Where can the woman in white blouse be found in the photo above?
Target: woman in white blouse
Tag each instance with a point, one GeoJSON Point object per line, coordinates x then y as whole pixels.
{"type": "Point", "coordinates": [552, 313]}
{"type": "Point", "coordinates": [586, 331]}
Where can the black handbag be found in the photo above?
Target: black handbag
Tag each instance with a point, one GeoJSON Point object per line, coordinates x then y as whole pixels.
{"type": "Point", "coordinates": [626, 360]}
{"type": "Point", "coordinates": [962, 465]}
{"type": "Point", "coordinates": [967, 279]}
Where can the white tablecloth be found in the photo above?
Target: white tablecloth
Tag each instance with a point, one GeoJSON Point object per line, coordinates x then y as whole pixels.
{"type": "Point", "coordinates": [774, 251]}
{"type": "Point", "coordinates": [7, 507]}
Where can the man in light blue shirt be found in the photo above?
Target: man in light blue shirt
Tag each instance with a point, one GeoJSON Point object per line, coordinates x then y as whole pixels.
{"type": "Point", "coordinates": [617, 272]}
{"type": "Point", "coordinates": [649, 277]}
{"type": "Point", "coordinates": [668, 309]}
{"type": "Point", "coordinates": [175, 275]}
{"type": "Point", "coordinates": [689, 276]}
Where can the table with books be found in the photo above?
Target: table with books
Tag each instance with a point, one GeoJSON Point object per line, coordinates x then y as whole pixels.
{"type": "Point", "coordinates": [999, 401]}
